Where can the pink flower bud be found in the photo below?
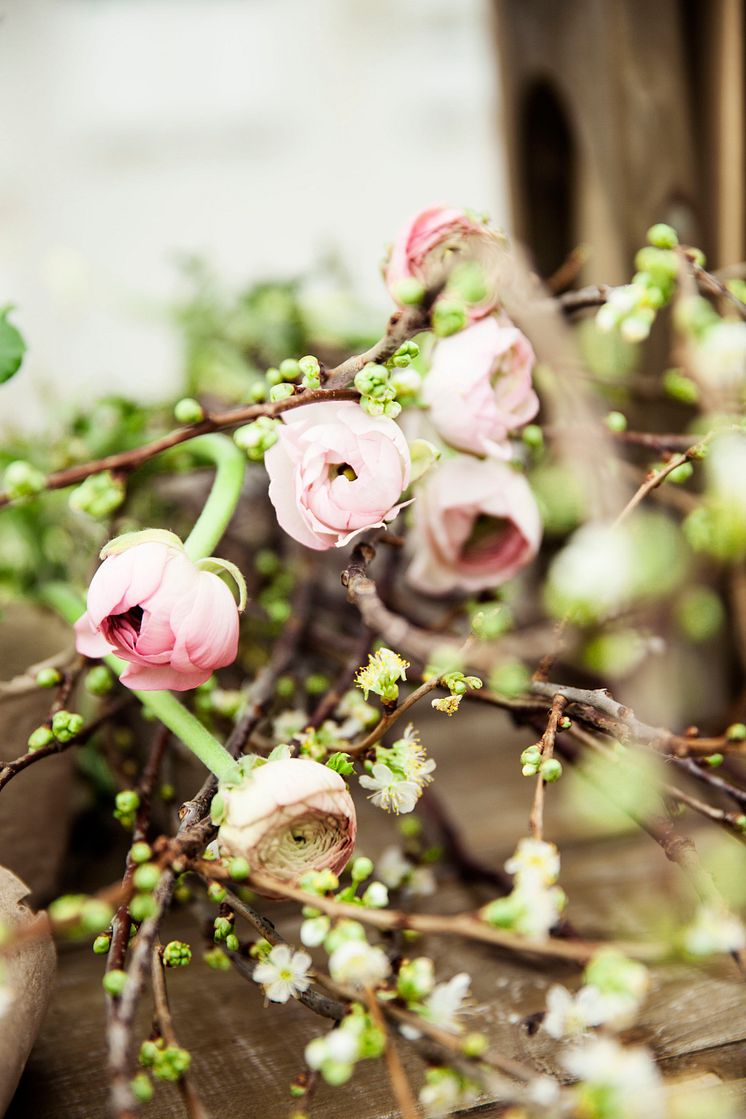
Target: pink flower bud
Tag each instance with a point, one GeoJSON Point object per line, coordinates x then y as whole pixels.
{"type": "Point", "coordinates": [288, 817]}
{"type": "Point", "coordinates": [336, 471]}
{"type": "Point", "coordinates": [476, 525]}
{"type": "Point", "coordinates": [424, 247]}
{"type": "Point", "coordinates": [154, 608]}
{"type": "Point", "coordinates": [479, 386]}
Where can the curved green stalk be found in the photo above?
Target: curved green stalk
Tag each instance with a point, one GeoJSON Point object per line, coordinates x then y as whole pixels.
{"type": "Point", "coordinates": [165, 706]}
{"type": "Point", "coordinates": [226, 489]}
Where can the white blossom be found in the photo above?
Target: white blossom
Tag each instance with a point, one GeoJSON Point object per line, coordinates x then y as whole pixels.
{"type": "Point", "coordinates": [444, 1004]}
{"type": "Point", "coordinates": [534, 861]}
{"type": "Point", "coordinates": [539, 908]}
{"type": "Point", "coordinates": [714, 929]}
{"type": "Point", "coordinates": [571, 1015]}
{"type": "Point", "coordinates": [629, 1079]}
{"type": "Point", "coordinates": [444, 1092]}
{"type": "Point", "coordinates": [376, 896]}
{"type": "Point", "coordinates": [284, 973]}
{"type": "Point", "coordinates": [359, 964]}
{"type": "Point", "coordinates": [314, 931]}
{"type": "Point", "coordinates": [390, 791]}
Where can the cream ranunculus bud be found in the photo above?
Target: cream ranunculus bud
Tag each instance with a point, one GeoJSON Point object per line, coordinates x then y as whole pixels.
{"type": "Point", "coordinates": [289, 816]}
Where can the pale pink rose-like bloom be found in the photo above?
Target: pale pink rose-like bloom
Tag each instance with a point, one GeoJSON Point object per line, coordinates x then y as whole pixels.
{"type": "Point", "coordinates": [289, 816]}
{"type": "Point", "coordinates": [479, 386]}
{"type": "Point", "coordinates": [154, 608]}
{"type": "Point", "coordinates": [423, 244]}
{"type": "Point", "coordinates": [336, 471]}
{"type": "Point", "coordinates": [476, 524]}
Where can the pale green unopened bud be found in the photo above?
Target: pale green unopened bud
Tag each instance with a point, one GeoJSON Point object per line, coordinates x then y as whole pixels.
{"type": "Point", "coordinates": [409, 291]}
{"type": "Point", "coordinates": [39, 738]}
{"type": "Point", "coordinates": [281, 391]}
{"type": "Point", "coordinates": [188, 411]}
{"type": "Point", "coordinates": [98, 496]}
{"type": "Point", "coordinates": [21, 479]}
{"type": "Point", "coordinates": [48, 677]}
{"type": "Point", "coordinates": [662, 236]}
{"type": "Point", "coordinates": [449, 317]}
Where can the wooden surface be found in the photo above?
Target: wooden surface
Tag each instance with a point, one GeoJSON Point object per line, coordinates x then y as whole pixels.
{"type": "Point", "coordinates": [244, 1056]}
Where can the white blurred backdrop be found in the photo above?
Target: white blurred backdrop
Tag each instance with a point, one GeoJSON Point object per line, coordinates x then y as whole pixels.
{"type": "Point", "coordinates": [258, 133]}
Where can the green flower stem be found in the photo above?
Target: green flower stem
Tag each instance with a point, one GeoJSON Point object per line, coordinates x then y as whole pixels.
{"type": "Point", "coordinates": [226, 489]}
{"type": "Point", "coordinates": [165, 706]}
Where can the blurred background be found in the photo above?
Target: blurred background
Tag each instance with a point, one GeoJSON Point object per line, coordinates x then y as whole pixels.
{"type": "Point", "coordinates": [265, 136]}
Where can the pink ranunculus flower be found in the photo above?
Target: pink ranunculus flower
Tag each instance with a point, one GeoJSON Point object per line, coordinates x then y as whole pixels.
{"type": "Point", "coordinates": [423, 245]}
{"type": "Point", "coordinates": [289, 816]}
{"type": "Point", "coordinates": [476, 524]}
{"type": "Point", "coordinates": [479, 386]}
{"type": "Point", "coordinates": [151, 606]}
{"type": "Point", "coordinates": [336, 471]}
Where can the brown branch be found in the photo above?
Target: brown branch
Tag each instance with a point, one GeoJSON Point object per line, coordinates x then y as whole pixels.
{"type": "Point", "coordinates": [164, 1021]}
{"type": "Point", "coordinates": [466, 925]}
{"type": "Point", "coordinates": [388, 718]}
{"type": "Point", "coordinates": [536, 819]}
{"type": "Point", "coordinates": [400, 1087]}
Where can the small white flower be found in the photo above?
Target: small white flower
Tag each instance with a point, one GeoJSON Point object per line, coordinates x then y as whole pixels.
{"type": "Point", "coordinates": [448, 704]}
{"type": "Point", "coordinates": [720, 358]}
{"type": "Point", "coordinates": [445, 1003]}
{"type": "Point", "coordinates": [288, 724]}
{"type": "Point", "coordinates": [391, 792]}
{"type": "Point", "coordinates": [541, 908]}
{"type": "Point", "coordinates": [631, 1083]}
{"type": "Point", "coordinates": [376, 896]}
{"type": "Point", "coordinates": [570, 1015]}
{"type": "Point", "coordinates": [393, 868]}
{"type": "Point", "coordinates": [408, 755]}
{"type": "Point", "coordinates": [444, 1092]}
{"type": "Point", "coordinates": [283, 974]}
{"type": "Point", "coordinates": [421, 882]}
{"type": "Point", "coordinates": [359, 964]}
{"type": "Point", "coordinates": [314, 930]}
{"type": "Point", "coordinates": [543, 1091]}
{"type": "Point", "coordinates": [714, 930]}
{"type": "Point", "coordinates": [534, 860]}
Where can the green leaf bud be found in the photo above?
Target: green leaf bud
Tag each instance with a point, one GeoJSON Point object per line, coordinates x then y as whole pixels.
{"type": "Point", "coordinates": [48, 677]}
{"type": "Point", "coordinates": [239, 869]}
{"type": "Point", "coordinates": [232, 942]}
{"type": "Point", "coordinates": [102, 944]}
{"type": "Point", "coordinates": [662, 236]}
{"type": "Point", "coordinates": [679, 387]}
{"type": "Point", "coordinates": [533, 436]}
{"type": "Point", "coordinates": [616, 421]}
{"type": "Point", "coordinates": [21, 479]}
{"type": "Point", "coordinates": [736, 732]}
{"type": "Point", "coordinates": [99, 681]}
{"type": "Point", "coordinates": [361, 868]}
{"type": "Point", "coordinates": [114, 982]}
{"type": "Point", "coordinates": [551, 770]}
{"type": "Point", "coordinates": [409, 291]}
{"type": "Point", "coordinates": [290, 369]}
{"type": "Point", "coordinates": [146, 877]}
{"type": "Point", "coordinates": [216, 892]}
{"type": "Point", "coordinates": [142, 907]}
{"type": "Point", "coordinates": [127, 801]}
{"type": "Point", "coordinates": [39, 738]}
{"type": "Point", "coordinates": [140, 852]}
{"type": "Point", "coordinates": [98, 496]}
{"type": "Point", "coordinates": [281, 391]}
{"type": "Point", "coordinates": [188, 411]}
{"type": "Point", "coordinates": [141, 1087]}
{"type": "Point", "coordinates": [449, 317]}
{"type": "Point", "coordinates": [340, 763]}
{"type": "Point", "coordinates": [96, 915]}
{"type": "Point", "coordinates": [66, 725]}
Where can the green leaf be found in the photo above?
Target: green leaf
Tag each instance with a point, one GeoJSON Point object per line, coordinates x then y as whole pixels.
{"type": "Point", "coordinates": [12, 347]}
{"type": "Point", "coordinates": [341, 763]}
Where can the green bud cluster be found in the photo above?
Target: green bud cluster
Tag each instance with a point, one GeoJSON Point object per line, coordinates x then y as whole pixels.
{"type": "Point", "coordinates": [449, 317]}
{"type": "Point", "coordinates": [126, 804]}
{"type": "Point", "coordinates": [531, 760]}
{"type": "Point", "coordinates": [256, 438]}
{"type": "Point", "coordinates": [66, 725]}
{"type": "Point", "coordinates": [377, 393]}
{"type": "Point", "coordinates": [216, 892]}
{"type": "Point", "coordinates": [632, 309]}
{"type": "Point", "coordinates": [21, 480]}
{"type": "Point", "coordinates": [341, 763]}
{"type": "Point", "coordinates": [458, 684]}
{"type": "Point", "coordinates": [489, 622]}
{"type": "Point", "coordinates": [98, 496]}
{"type": "Point", "coordinates": [216, 959]}
{"type": "Point", "coordinates": [141, 1087]}
{"type": "Point", "coordinates": [168, 1062]}
{"type": "Point", "coordinates": [177, 955]}
{"type": "Point", "coordinates": [310, 370]}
